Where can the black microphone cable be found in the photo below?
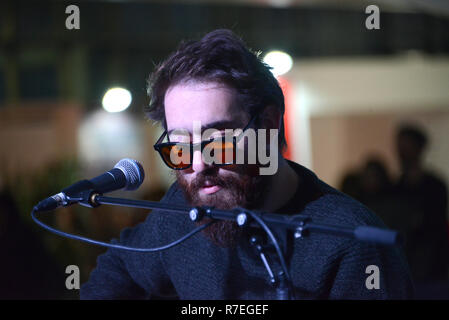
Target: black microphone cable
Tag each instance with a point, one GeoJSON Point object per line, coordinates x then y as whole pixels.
{"type": "Point", "coordinates": [117, 246]}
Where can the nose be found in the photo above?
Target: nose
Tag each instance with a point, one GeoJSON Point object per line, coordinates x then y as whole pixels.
{"type": "Point", "coordinates": [198, 163]}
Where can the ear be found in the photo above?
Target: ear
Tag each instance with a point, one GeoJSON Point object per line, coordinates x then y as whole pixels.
{"type": "Point", "coordinates": [271, 118]}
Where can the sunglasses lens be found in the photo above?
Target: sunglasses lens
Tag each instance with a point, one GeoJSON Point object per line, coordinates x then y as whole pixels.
{"type": "Point", "coordinates": [221, 152]}
{"type": "Point", "coordinates": [176, 156]}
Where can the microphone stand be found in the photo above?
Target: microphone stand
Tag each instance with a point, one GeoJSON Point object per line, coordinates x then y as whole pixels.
{"type": "Point", "coordinates": [282, 290]}
{"type": "Point", "coordinates": [300, 224]}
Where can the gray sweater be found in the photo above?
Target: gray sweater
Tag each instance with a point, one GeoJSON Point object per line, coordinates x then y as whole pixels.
{"type": "Point", "coordinates": [321, 266]}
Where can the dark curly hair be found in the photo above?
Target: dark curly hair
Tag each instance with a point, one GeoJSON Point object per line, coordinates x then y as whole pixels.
{"type": "Point", "coordinates": [220, 56]}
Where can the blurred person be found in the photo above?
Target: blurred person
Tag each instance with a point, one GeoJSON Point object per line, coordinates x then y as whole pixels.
{"type": "Point", "coordinates": [375, 179]}
{"type": "Point", "coordinates": [368, 184]}
{"type": "Point", "coordinates": [222, 84]}
{"type": "Point", "coordinates": [424, 210]}
{"type": "Point", "coordinates": [376, 190]}
{"type": "Point", "coordinates": [350, 184]}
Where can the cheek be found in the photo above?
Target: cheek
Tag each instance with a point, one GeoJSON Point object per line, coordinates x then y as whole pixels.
{"type": "Point", "coordinates": [184, 176]}
{"type": "Point", "coordinates": [228, 171]}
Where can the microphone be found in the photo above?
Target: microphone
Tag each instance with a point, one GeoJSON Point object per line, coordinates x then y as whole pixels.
{"type": "Point", "coordinates": [127, 174]}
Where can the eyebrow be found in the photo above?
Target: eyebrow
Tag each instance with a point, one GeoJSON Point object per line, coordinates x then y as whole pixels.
{"type": "Point", "coordinates": [221, 124]}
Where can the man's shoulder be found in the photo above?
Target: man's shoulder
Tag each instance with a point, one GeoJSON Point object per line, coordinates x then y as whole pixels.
{"type": "Point", "coordinates": [332, 206]}
{"type": "Point", "coordinates": [342, 209]}
{"type": "Point", "coordinates": [174, 193]}
{"type": "Point", "coordinates": [347, 256]}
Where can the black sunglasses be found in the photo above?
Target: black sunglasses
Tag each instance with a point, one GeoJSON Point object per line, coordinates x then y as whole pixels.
{"type": "Point", "coordinates": [224, 152]}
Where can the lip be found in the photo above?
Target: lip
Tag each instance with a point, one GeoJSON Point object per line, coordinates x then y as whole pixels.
{"type": "Point", "coordinates": [210, 189]}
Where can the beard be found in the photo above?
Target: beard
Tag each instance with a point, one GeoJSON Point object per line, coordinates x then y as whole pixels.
{"type": "Point", "coordinates": [245, 190]}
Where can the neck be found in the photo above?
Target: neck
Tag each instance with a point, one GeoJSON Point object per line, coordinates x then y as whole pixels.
{"type": "Point", "coordinates": [283, 186]}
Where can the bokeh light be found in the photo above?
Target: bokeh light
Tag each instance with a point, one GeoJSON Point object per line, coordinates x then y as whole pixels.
{"type": "Point", "coordinates": [281, 62]}
{"type": "Point", "coordinates": [116, 100]}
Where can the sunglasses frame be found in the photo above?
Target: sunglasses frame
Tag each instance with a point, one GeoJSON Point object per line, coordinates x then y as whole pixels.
{"type": "Point", "coordinates": [158, 146]}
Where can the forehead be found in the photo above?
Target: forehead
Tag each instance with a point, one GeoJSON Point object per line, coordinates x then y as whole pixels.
{"type": "Point", "coordinates": [208, 103]}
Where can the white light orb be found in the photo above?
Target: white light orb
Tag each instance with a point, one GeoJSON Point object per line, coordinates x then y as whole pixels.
{"type": "Point", "coordinates": [105, 137]}
{"type": "Point", "coordinates": [116, 100]}
{"type": "Point", "coordinates": [281, 62]}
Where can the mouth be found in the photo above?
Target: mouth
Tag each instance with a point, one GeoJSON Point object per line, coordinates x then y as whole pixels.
{"type": "Point", "coordinates": [210, 188]}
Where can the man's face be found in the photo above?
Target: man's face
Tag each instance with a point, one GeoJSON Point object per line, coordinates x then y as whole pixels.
{"type": "Point", "coordinates": [214, 105]}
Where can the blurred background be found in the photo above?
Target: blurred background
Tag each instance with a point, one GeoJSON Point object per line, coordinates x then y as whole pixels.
{"type": "Point", "coordinates": [366, 110]}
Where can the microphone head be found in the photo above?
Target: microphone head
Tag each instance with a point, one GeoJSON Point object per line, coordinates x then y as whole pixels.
{"type": "Point", "coordinates": [133, 172]}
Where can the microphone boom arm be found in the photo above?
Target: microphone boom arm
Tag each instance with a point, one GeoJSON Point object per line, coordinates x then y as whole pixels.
{"type": "Point", "coordinates": [300, 224]}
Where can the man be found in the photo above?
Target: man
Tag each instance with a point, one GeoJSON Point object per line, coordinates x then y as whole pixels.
{"type": "Point", "coordinates": [423, 215]}
{"type": "Point", "coordinates": [218, 83]}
